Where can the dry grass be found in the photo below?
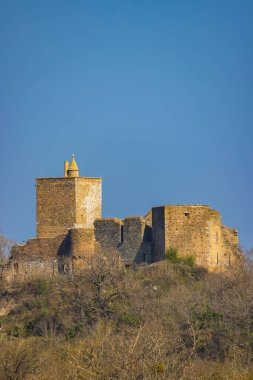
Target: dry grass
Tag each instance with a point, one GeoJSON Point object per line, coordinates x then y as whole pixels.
{"type": "Point", "coordinates": [164, 321]}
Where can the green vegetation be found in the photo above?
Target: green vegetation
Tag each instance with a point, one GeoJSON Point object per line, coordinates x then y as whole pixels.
{"type": "Point", "coordinates": [169, 320]}
{"type": "Point", "coordinates": [172, 256]}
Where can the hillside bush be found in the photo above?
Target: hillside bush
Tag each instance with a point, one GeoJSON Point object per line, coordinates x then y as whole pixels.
{"type": "Point", "coordinates": [167, 320]}
{"type": "Point", "coordinates": [172, 255]}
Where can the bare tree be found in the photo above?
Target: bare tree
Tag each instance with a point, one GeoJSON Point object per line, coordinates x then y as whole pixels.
{"type": "Point", "coordinates": [5, 247]}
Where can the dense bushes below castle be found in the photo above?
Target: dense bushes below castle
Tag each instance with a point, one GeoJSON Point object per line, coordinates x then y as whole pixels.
{"type": "Point", "coordinates": [163, 321]}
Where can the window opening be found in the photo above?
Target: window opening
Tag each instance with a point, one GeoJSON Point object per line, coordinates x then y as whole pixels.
{"type": "Point", "coordinates": [122, 233]}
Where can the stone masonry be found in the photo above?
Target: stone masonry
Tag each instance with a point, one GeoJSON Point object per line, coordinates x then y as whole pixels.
{"type": "Point", "coordinates": [70, 230]}
{"type": "Point", "coordinates": [194, 230]}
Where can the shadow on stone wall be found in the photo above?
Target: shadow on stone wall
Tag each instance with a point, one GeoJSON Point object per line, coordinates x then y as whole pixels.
{"type": "Point", "coordinates": [63, 255]}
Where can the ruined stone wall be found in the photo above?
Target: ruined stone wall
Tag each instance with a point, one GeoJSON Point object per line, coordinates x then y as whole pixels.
{"type": "Point", "coordinates": [70, 230]}
{"type": "Point", "coordinates": [215, 249]}
{"type": "Point", "coordinates": [131, 238]}
{"type": "Point", "coordinates": [187, 229]}
{"type": "Point", "coordinates": [70, 251]}
{"type": "Point", "coordinates": [230, 241]}
{"type": "Point", "coordinates": [40, 254]}
{"type": "Point", "coordinates": [64, 203]}
{"type": "Point", "coordinates": [137, 241]}
{"type": "Point", "coordinates": [194, 230]}
{"type": "Point", "coordinates": [32, 266]}
{"type": "Point", "coordinates": [108, 235]}
{"type": "Point", "coordinates": [223, 244]}
{"type": "Point", "coordinates": [42, 247]}
{"type": "Point", "coordinates": [148, 218]}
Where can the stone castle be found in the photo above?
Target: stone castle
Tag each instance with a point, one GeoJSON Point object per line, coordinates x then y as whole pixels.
{"type": "Point", "coordinates": [70, 230]}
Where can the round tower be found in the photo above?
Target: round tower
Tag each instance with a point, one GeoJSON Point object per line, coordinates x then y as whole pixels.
{"type": "Point", "coordinates": [73, 170]}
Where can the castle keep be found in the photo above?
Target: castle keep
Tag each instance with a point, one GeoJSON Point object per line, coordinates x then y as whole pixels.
{"type": "Point", "coordinates": [70, 230]}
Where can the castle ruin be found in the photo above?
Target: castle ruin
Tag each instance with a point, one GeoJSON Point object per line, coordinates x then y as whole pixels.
{"type": "Point", "coordinates": [70, 230]}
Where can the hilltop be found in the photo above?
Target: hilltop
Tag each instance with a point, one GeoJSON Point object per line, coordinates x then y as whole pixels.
{"type": "Point", "coordinates": [159, 321]}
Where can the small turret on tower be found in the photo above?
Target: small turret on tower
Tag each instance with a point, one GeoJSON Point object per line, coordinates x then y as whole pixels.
{"type": "Point", "coordinates": [66, 167]}
{"type": "Point", "coordinates": [68, 202]}
{"type": "Point", "coordinates": [73, 170]}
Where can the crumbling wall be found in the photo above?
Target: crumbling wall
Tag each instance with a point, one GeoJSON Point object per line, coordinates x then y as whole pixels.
{"type": "Point", "coordinates": [42, 247]}
{"type": "Point", "coordinates": [215, 249]}
{"type": "Point", "coordinates": [196, 231]}
{"type": "Point", "coordinates": [108, 235]}
{"type": "Point", "coordinates": [131, 238]}
{"type": "Point", "coordinates": [31, 266]}
{"type": "Point", "coordinates": [137, 241]}
{"type": "Point", "coordinates": [39, 256]}
{"type": "Point", "coordinates": [148, 218]}
{"type": "Point", "coordinates": [230, 247]}
{"type": "Point", "coordinates": [187, 229]}
{"type": "Point", "coordinates": [223, 245]}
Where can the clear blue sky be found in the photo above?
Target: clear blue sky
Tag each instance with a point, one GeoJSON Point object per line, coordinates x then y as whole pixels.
{"type": "Point", "coordinates": [156, 97]}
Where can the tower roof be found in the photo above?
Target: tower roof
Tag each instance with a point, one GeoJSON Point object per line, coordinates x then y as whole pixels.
{"type": "Point", "coordinates": [73, 164]}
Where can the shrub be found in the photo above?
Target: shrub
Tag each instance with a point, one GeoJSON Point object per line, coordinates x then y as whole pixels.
{"type": "Point", "coordinates": [158, 367]}
{"type": "Point", "coordinates": [130, 319]}
{"type": "Point", "coordinates": [19, 360]}
{"type": "Point", "coordinates": [41, 286]}
{"type": "Point", "coordinates": [172, 256]}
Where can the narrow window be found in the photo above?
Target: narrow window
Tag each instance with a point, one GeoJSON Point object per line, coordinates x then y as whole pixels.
{"type": "Point", "coordinates": [122, 233]}
{"type": "Point", "coordinates": [217, 259]}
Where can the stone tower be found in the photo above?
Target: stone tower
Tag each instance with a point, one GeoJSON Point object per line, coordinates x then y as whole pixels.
{"type": "Point", "coordinates": [194, 230]}
{"type": "Point", "coordinates": [67, 202]}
